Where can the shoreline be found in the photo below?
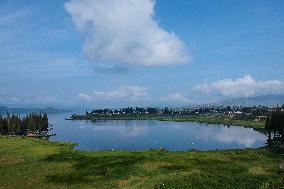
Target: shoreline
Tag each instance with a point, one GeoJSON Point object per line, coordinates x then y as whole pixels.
{"type": "Point", "coordinates": [197, 119]}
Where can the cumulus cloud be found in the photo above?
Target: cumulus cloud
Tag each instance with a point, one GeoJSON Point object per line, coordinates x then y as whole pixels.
{"type": "Point", "coordinates": [128, 93]}
{"type": "Point", "coordinates": [242, 87]}
{"type": "Point", "coordinates": [124, 31]}
{"type": "Point", "coordinates": [176, 98]}
{"type": "Point", "coordinates": [85, 97]}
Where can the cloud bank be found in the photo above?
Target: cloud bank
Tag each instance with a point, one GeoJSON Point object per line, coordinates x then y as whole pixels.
{"type": "Point", "coordinates": [126, 93]}
{"type": "Point", "coordinates": [246, 86]}
{"type": "Point", "coordinates": [175, 98]}
{"type": "Point", "coordinates": [124, 31]}
{"type": "Point", "coordinates": [132, 94]}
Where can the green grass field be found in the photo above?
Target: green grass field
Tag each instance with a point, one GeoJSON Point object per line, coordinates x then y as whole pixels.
{"type": "Point", "coordinates": [34, 163]}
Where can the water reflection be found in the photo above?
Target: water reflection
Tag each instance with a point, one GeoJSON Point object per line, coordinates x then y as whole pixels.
{"type": "Point", "coordinates": [140, 135]}
{"type": "Point", "coordinates": [230, 135]}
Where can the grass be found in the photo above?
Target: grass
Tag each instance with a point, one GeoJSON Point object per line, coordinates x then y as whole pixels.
{"type": "Point", "coordinates": [214, 120]}
{"type": "Point", "coordinates": [34, 163]}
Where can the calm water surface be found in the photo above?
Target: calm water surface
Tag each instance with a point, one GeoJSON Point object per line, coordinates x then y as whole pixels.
{"type": "Point", "coordinates": [141, 135]}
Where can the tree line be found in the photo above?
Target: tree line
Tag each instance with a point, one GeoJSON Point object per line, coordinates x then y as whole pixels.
{"type": "Point", "coordinates": [16, 125]}
{"type": "Point", "coordinates": [252, 111]}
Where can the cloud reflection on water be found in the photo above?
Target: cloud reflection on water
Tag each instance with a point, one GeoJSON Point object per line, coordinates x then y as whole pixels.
{"type": "Point", "coordinates": [139, 135]}
{"type": "Point", "coordinates": [239, 135]}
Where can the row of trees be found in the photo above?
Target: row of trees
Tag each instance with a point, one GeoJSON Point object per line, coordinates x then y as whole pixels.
{"type": "Point", "coordinates": [128, 110]}
{"type": "Point", "coordinates": [275, 126]}
{"type": "Point", "coordinates": [14, 124]}
{"type": "Point", "coordinates": [253, 111]}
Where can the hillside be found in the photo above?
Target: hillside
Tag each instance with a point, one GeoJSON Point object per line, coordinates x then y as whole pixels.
{"type": "Point", "coordinates": [50, 110]}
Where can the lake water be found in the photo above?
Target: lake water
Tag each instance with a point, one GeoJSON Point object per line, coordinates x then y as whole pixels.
{"type": "Point", "coordinates": [146, 134]}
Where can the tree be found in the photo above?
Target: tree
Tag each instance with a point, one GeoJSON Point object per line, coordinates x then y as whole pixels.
{"type": "Point", "coordinates": [45, 122]}
{"type": "Point", "coordinates": [268, 127]}
{"type": "Point", "coordinates": [275, 124]}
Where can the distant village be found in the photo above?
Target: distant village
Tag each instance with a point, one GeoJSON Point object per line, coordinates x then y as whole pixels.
{"type": "Point", "coordinates": [256, 113]}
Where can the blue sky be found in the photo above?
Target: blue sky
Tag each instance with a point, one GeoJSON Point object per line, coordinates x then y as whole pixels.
{"type": "Point", "coordinates": [139, 52]}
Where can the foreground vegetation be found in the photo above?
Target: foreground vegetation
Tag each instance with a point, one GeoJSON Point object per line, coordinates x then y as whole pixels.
{"type": "Point", "coordinates": [35, 163]}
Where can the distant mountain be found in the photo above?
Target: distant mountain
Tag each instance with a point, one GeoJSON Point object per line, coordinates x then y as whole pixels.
{"type": "Point", "coordinates": [49, 110]}
{"type": "Point", "coordinates": [266, 100]}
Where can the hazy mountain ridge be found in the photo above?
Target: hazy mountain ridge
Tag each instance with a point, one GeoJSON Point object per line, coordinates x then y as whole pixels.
{"type": "Point", "coordinates": [266, 100]}
{"type": "Point", "coordinates": [50, 110]}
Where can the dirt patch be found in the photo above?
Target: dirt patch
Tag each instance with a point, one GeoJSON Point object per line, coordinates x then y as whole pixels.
{"type": "Point", "coordinates": [258, 171]}
{"type": "Point", "coordinates": [122, 183]}
{"type": "Point", "coordinates": [281, 166]}
{"type": "Point", "coordinates": [131, 181]}
{"type": "Point", "coordinates": [156, 165]}
{"type": "Point", "coordinates": [10, 160]}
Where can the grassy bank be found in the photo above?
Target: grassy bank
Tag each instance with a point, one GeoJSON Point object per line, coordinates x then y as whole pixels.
{"type": "Point", "coordinates": [213, 120]}
{"type": "Point", "coordinates": [32, 163]}
{"type": "Point", "coordinates": [198, 119]}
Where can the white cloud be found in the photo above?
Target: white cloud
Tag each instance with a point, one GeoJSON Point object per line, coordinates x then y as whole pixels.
{"type": "Point", "coordinates": [124, 31]}
{"type": "Point", "coordinates": [127, 93]}
{"type": "Point", "coordinates": [85, 97]}
{"type": "Point", "coordinates": [175, 98]}
{"type": "Point", "coordinates": [242, 87]}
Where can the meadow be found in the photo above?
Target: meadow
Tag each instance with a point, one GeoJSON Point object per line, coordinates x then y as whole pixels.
{"type": "Point", "coordinates": [36, 163]}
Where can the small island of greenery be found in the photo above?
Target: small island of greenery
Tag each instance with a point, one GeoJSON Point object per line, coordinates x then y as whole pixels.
{"type": "Point", "coordinates": [251, 117]}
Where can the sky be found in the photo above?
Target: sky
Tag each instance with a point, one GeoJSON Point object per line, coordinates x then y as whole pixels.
{"type": "Point", "coordinates": [110, 53]}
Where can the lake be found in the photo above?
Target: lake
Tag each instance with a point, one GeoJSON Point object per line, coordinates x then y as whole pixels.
{"type": "Point", "coordinates": [146, 134]}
